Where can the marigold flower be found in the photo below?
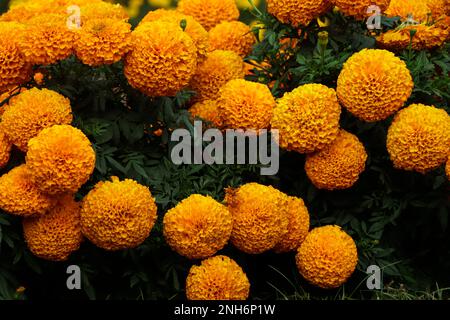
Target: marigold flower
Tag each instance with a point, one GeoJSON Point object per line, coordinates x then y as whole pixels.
{"type": "Point", "coordinates": [327, 257]}
{"type": "Point", "coordinates": [402, 8]}
{"type": "Point", "coordinates": [260, 219]}
{"type": "Point", "coordinates": [103, 41]}
{"type": "Point", "coordinates": [307, 118]}
{"type": "Point", "coordinates": [20, 196]}
{"type": "Point", "coordinates": [5, 149]}
{"type": "Point", "coordinates": [207, 110]}
{"type": "Point", "coordinates": [296, 12]}
{"type": "Point", "coordinates": [60, 159]}
{"type": "Point", "coordinates": [198, 227]}
{"type": "Point", "coordinates": [117, 214]}
{"type": "Point", "coordinates": [419, 138]}
{"type": "Point", "coordinates": [298, 226]}
{"type": "Point", "coordinates": [233, 36]}
{"type": "Point", "coordinates": [339, 165]}
{"type": "Point", "coordinates": [194, 29]}
{"type": "Point", "coordinates": [245, 105]}
{"type": "Point", "coordinates": [57, 234]}
{"type": "Point", "coordinates": [217, 278]}
{"type": "Point", "coordinates": [213, 73]}
{"type": "Point", "coordinates": [209, 12]}
{"type": "Point", "coordinates": [358, 8]}
{"type": "Point", "coordinates": [374, 84]}
{"type": "Point", "coordinates": [32, 111]}
{"type": "Point", "coordinates": [162, 60]}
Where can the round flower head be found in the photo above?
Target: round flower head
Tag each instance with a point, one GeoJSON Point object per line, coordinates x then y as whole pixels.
{"type": "Point", "coordinates": [339, 165]}
{"type": "Point", "coordinates": [207, 110]}
{"type": "Point", "coordinates": [296, 12]}
{"type": "Point", "coordinates": [358, 8]}
{"type": "Point", "coordinates": [298, 226]}
{"type": "Point", "coordinates": [102, 41]}
{"type": "Point", "coordinates": [217, 278]}
{"type": "Point", "coordinates": [5, 149]}
{"type": "Point", "coordinates": [14, 70]}
{"type": "Point", "coordinates": [419, 138]}
{"type": "Point", "coordinates": [55, 235]}
{"type": "Point", "coordinates": [327, 257]}
{"type": "Point", "coordinates": [233, 36]}
{"type": "Point", "coordinates": [260, 219]}
{"type": "Point", "coordinates": [162, 60]}
{"type": "Point", "coordinates": [218, 68]}
{"type": "Point", "coordinates": [374, 84]}
{"type": "Point", "coordinates": [307, 118]}
{"type": "Point", "coordinates": [102, 10]}
{"type": "Point", "coordinates": [20, 196]}
{"type": "Point", "coordinates": [118, 214]}
{"type": "Point", "coordinates": [194, 29]}
{"type": "Point", "coordinates": [245, 105]}
{"type": "Point", "coordinates": [47, 39]}
{"type": "Point", "coordinates": [197, 227]}
{"type": "Point", "coordinates": [32, 111]}
{"type": "Point", "coordinates": [60, 159]}
{"type": "Point", "coordinates": [418, 9]}
{"type": "Point", "coordinates": [209, 12]}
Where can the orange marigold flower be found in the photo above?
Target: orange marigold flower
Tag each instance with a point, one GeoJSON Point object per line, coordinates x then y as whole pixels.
{"type": "Point", "coordinates": [419, 138]}
{"type": "Point", "coordinates": [327, 257]}
{"type": "Point", "coordinates": [194, 29]}
{"type": "Point", "coordinates": [374, 84]}
{"type": "Point", "coordinates": [60, 159]}
{"type": "Point", "coordinates": [298, 226]}
{"type": "Point", "coordinates": [296, 12]}
{"type": "Point", "coordinates": [217, 278]}
{"type": "Point", "coordinates": [358, 8]}
{"type": "Point", "coordinates": [207, 110]}
{"type": "Point", "coordinates": [233, 36]}
{"type": "Point", "coordinates": [307, 118]}
{"type": "Point", "coordinates": [198, 227]}
{"type": "Point", "coordinates": [103, 41]}
{"type": "Point", "coordinates": [20, 196]}
{"type": "Point", "coordinates": [339, 165]}
{"type": "Point", "coordinates": [5, 149]}
{"type": "Point", "coordinates": [402, 8]}
{"type": "Point", "coordinates": [34, 110]}
{"type": "Point", "coordinates": [162, 60]}
{"type": "Point", "coordinates": [209, 12]}
{"type": "Point", "coordinates": [117, 214]}
{"type": "Point", "coordinates": [57, 234]}
{"type": "Point", "coordinates": [260, 219]}
{"type": "Point", "coordinates": [245, 105]}
{"type": "Point", "coordinates": [218, 68]}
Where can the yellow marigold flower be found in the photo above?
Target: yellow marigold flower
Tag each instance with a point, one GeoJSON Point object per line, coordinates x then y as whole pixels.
{"type": "Point", "coordinates": [14, 70]}
{"type": "Point", "coordinates": [194, 29]}
{"type": "Point", "coordinates": [233, 36]}
{"type": "Point", "coordinates": [307, 118]}
{"type": "Point", "coordinates": [20, 196]}
{"type": "Point", "coordinates": [207, 110]}
{"type": "Point", "coordinates": [198, 227]}
{"type": "Point", "coordinates": [245, 4]}
{"type": "Point", "coordinates": [162, 60]}
{"type": "Point", "coordinates": [339, 165]}
{"type": "Point", "coordinates": [160, 3]}
{"type": "Point", "coordinates": [103, 41]}
{"type": "Point", "coordinates": [419, 138]}
{"type": "Point", "coordinates": [32, 111]}
{"type": "Point", "coordinates": [245, 105]}
{"type": "Point", "coordinates": [117, 214]}
{"type": "Point", "coordinates": [296, 12]}
{"type": "Point", "coordinates": [402, 8]}
{"type": "Point", "coordinates": [5, 149]}
{"type": "Point", "coordinates": [209, 12]}
{"type": "Point", "coordinates": [260, 219]}
{"type": "Point", "coordinates": [217, 278]}
{"type": "Point", "coordinates": [57, 234]}
{"type": "Point", "coordinates": [358, 8]}
{"type": "Point", "coordinates": [47, 39]}
{"type": "Point", "coordinates": [327, 257]}
{"type": "Point", "coordinates": [374, 84]}
{"type": "Point", "coordinates": [298, 226]}
{"type": "Point", "coordinates": [426, 37]}
{"type": "Point", "coordinates": [60, 159]}
{"type": "Point", "coordinates": [102, 10]}
{"type": "Point", "coordinates": [213, 73]}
